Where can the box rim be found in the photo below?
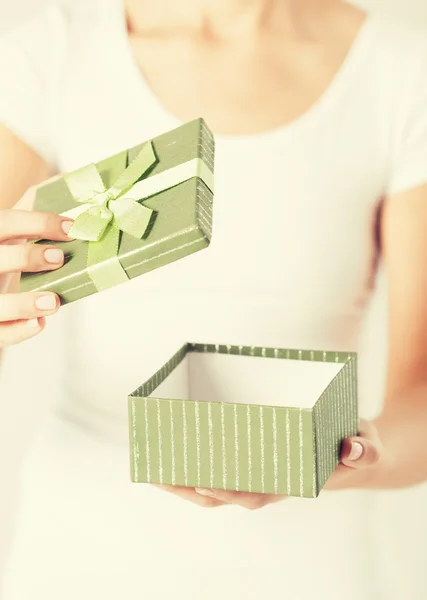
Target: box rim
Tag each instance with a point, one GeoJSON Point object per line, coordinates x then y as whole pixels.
{"type": "Point", "coordinates": [145, 390]}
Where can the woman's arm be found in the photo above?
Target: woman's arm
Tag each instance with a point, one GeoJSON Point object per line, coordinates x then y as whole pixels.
{"type": "Point", "coordinates": [399, 434]}
{"type": "Point", "coordinates": [20, 168]}
{"type": "Point", "coordinates": [391, 452]}
{"type": "Point", "coordinates": [22, 316]}
{"type": "Point", "coordinates": [402, 426]}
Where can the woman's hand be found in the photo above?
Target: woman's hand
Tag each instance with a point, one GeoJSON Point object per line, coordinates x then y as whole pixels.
{"type": "Point", "coordinates": [214, 498]}
{"type": "Point", "coordinates": [22, 316]}
{"type": "Point", "coordinates": [358, 455]}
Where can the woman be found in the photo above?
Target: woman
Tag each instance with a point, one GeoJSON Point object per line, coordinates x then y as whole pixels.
{"type": "Point", "coordinates": [320, 116]}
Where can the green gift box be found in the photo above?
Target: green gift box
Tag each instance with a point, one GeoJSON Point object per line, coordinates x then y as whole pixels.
{"type": "Point", "coordinates": [280, 434]}
{"type": "Point", "coordinates": [134, 212]}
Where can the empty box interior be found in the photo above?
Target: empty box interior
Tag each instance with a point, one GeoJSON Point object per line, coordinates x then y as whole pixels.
{"type": "Point", "coordinates": [214, 377]}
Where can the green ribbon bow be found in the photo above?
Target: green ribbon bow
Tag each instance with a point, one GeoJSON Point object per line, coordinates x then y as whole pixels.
{"type": "Point", "coordinates": [105, 213]}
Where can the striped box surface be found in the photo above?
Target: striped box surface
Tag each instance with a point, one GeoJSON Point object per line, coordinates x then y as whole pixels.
{"type": "Point", "coordinates": [183, 213]}
{"type": "Point", "coordinates": [246, 447]}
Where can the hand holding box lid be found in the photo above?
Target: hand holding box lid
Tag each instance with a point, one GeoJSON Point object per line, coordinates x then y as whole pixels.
{"type": "Point", "coordinates": [134, 212]}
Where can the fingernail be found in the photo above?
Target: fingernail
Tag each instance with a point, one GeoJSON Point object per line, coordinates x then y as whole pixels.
{"type": "Point", "coordinates": [46, 302]}
{"type": "Point", "coordinates": [66, 226]}
{"type": "Point", "coordinates": [356, 451]}
{"type": "Point", "coordinates": [204, 492]}
{"type": "Point", "coordinates": [54, 256]}
{"type": "Point", "coordinates": [33, 323]}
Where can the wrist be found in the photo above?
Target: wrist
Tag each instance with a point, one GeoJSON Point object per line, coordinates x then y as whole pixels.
{"type": "Point", "coordinates": [403, 458]}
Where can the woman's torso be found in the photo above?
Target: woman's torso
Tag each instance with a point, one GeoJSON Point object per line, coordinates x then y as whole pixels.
{"type": "Point", "coordinates": [291, 264]}
{"type": "Point", "coordinates": [293, 255]}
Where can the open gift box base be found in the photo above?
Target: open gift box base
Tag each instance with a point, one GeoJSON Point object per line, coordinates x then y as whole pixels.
{"type": "Point", "coordinates": [241, 418]}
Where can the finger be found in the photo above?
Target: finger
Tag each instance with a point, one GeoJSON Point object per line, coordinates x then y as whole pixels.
{"type": "Point", "coordinates": [243, 499]}
{"type": "Point", "coordinates": [10, 283]}
{"type": "Point", "coordinates": [359, 452]}
{"type": "Point", "coordinates": [19, 331]}
{"type": "Point", "coordinates": [16, 224]}
{"type": "Point", "coordinates": [191, 495]}
{"type": "Point", "coordinates": [16, 307]}
{"type": "Point", "coordinates": [30, 258]}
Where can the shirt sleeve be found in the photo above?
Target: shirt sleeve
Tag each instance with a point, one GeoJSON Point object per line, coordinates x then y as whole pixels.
{"type": "Point", "coordinates": [409, 168]}
{"type": "Point", "coordinates": [30, 58]}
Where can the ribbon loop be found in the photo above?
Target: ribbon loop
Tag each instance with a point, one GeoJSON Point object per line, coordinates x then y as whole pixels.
{"type": "Point", "coordinates": [84, 183]}
{"type": "Point", "coordinates": [143, 161]}
{"type": "Point", "coordinates": [103, 206]}
{"type": "Point", "coordinates": [103, 214]}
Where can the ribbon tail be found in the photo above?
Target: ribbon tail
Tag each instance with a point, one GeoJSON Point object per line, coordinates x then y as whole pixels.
{"type": "Point", "coordinates": [131, 217]}
{"type": "Point", "coordinates": [103, 264]}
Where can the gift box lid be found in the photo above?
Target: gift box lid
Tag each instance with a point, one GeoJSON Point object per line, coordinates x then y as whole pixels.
{"type": "Point", "coordinates": [168, 184]}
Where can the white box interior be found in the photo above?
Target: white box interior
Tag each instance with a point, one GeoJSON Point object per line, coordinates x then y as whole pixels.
{"type": "Point", "coordinates": [248, 380]}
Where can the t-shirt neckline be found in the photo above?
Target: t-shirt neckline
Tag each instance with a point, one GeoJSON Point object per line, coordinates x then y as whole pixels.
{"type": "Point", "coordinates": [354, 58]}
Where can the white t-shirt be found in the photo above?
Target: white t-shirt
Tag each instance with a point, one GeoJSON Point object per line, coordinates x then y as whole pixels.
{"type": "Point", "coordinates": [291, 264]}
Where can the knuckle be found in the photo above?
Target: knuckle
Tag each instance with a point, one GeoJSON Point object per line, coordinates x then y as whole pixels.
{"type": "Point", "coordinates": [13, 307]}
{"type": "Point", "coordinates": [255, 504]}
{"type": "Point", "coordinates": [374, 455]}
{"type": "Point", "coordinates": [20, 257]}
{"type": "Point", "coordinates": [207, 502]}
{"type": "Point", "coordinates": [4, 219]}
{"type": "Point", "coordinates": [10, 335]}
{"type": "Point", "coordinates": [221, 496]}
{"type": "Point", "coordinates": [3, 306]}
{"type": "Point", "coordinates": [23, 256]}
{"type": "Point", "coordinates": [50, 221]}
{"type": "Point", "coordinates": [211, 504]}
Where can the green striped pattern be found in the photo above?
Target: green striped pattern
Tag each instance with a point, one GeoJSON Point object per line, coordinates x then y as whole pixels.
{"type": "Point", "coordinates": [183, 223]}
{"type": "Point", "coordinates": [275, 450]}
{"type": "Point", "coordinates": [335, 418]}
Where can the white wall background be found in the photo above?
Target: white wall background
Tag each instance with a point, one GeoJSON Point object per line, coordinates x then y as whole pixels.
{"type": "Point", "coordinates": [415, 10]}
{"type": "Point", "coordinates": [11, 13]}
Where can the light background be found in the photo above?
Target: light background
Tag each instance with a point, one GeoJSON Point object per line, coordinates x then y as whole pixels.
{"type": "Point", "coordinates": [11, 13]}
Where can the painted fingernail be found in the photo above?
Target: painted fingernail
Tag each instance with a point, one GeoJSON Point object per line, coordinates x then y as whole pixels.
{"type": "Point", "coordinates": [356, 451]}
{"type": "Point", "coordinates": [204, 492]}
{"type": "Point", "coordinates": [46, 302]}
{"type": "Point", "coordinates": [66, 226]}
{"type": "Point", "coordinates": [33, 323]}
{"type": "Point", "coordinates": [54, 256]}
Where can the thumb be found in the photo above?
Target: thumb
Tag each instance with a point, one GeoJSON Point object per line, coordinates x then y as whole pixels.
{"type": "Point", "coordinates": [359, 453]}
